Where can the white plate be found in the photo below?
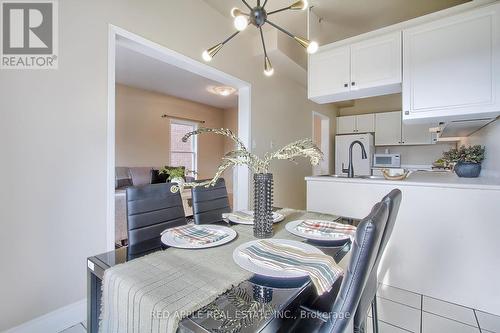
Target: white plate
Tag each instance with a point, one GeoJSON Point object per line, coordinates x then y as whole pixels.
{"type": "Point", "coordinates": [170, 240]}
{"type": "Point", "coordinates": [264, 270]}
{"type": "Point", "coordinates": [277, 217]}
{"type": "Point", "coordinates": [335, 237]}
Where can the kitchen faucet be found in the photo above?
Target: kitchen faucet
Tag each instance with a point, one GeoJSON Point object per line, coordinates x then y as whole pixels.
{"type": "Point", "coordinates": [350, 169]}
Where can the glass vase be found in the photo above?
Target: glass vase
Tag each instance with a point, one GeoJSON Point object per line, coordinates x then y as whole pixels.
{"type": "Point", "coordinates": [263, 205]}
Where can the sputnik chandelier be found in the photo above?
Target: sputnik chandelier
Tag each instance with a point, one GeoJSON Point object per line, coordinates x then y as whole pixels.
{"type": "Point", "coordinates": [258, 16]}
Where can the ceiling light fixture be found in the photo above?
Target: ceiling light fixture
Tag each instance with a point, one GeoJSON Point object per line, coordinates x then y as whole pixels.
{"type": "Point", "coordinates": [258, 17]}
{"type": "Point", "coordinates": [221, 90]}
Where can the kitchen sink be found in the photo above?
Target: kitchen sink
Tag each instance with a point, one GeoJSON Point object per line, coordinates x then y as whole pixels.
{"type": "Point", "coordinates": [358, 177]}
{"type": "Point", "coordinates": [369, 177]}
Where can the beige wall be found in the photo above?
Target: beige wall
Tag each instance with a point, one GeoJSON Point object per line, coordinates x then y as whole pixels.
{"type": "Point", "coordinates": [53, 132]}
{"type": "Point", "coordinates": [372, 105]}
{"type": "Point", "coordinates": [488, 136]}
{"type": "Point", "coordinates": [143, 137]}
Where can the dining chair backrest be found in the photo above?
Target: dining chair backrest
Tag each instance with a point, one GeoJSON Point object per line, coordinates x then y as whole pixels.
{"type": "Point", "coordinates": [209, 203]}
{"type": "Point", "coordinates": [363, 255]}
{"type": "Point", "coordinates": [151, 209]}
{"type": "Point", "coordinates": [392, 201]}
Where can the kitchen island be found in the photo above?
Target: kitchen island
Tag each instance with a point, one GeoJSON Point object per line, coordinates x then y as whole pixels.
{"type": "Point", "coordinates": [446, 240]}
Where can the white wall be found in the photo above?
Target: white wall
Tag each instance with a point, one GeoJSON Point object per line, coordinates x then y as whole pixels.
{"type": "Point", "coordinates": [230, 122]}
{"type": "Point", "coordinates": [53, 137]}
{"type": "Point", "coordinates": [488, 136]}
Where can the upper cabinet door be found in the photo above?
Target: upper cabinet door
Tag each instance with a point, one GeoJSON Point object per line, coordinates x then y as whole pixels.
{"type": "Point", "coordinates": [388, 128]}
{"type": "Point", "coordinates": [416, 134]}
{"type": "Point", "coordinates": [376, 62]}
{"type": "Point", "coordinates": [451, 67]}
{"type": "Point", "coordinates": [346, 124]}
{"type": "Point", "coordinates": [365, 123]}
{"type": "Point", "coordinates": [329, 72]}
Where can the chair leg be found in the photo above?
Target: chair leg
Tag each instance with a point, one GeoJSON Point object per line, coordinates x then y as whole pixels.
{"type": "Point", "coordinates": [374, 314]}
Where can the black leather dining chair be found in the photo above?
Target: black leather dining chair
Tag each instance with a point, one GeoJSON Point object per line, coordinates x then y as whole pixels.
{"type": "Point", "coordinates": [209, 203]}
{"type": "Point", "coordinates": [151, 209]}
{"type": "Point", "coordinates": [363, 256]}
{"type": "Point", "coordinates": [369, 296]}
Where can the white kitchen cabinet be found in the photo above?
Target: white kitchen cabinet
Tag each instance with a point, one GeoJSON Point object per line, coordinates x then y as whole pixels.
{"type": "Point", "coordinates": [346, 124]}
{"type": "Point", "coordinates": [368, 68]}
{"type": "Point", "coordinates": [391, 131]}
{"type": "Point", "coordinates": [329, 72]}
{"type": "Point", "coordinates": [416, 134]}
{"type": "Point", "coordinates": [451, 67]}
{"type": "Point", "coordinates": [388, 128]}
{"type": "Point", "coordinates": [364, 123]}
{"type": "Point", "coordinates": [376, 62]}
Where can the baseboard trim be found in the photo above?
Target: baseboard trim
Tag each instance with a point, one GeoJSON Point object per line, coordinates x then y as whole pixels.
{"type": "Point", "coordinates": [55, 321]}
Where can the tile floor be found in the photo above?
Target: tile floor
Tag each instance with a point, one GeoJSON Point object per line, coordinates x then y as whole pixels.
{"type": "Point", "coordinates": [401, 311]}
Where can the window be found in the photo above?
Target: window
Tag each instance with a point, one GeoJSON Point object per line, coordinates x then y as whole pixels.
{"type": "Point", "coordinates": [183, 153]}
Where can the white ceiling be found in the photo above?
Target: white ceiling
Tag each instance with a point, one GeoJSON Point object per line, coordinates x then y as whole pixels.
{"type": "Point", "coordinates": [355, 16]}
{"type": "Point", "coordinates": [140, 71]}
{"type": "Point", "coordinates": [360, 16]}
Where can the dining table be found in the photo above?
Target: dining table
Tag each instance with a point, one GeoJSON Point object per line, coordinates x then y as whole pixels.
{"type": "Point", "coordinates": [258, 304]}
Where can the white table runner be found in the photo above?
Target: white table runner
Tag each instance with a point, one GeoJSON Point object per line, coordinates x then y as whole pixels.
{"type": "Point", "coordinates": [153, 293]}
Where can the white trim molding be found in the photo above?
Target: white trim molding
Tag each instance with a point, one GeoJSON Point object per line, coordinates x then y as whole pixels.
{"type": "Point", "coordinates": [55, 321]}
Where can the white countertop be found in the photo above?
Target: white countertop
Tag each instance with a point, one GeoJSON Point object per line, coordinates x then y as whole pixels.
{"type": "Point", "coordinates": [423, 178]}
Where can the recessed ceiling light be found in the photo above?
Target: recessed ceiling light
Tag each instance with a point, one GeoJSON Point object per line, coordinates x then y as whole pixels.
{"type": "Point", "coordinates": [221, 90]}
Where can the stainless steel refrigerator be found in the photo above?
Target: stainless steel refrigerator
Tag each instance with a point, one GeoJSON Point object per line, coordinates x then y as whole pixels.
{"type": "Point", "coordinates": [361, 167]}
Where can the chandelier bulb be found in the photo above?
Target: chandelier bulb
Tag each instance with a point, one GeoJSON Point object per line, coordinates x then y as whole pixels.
{"type": "Point", "coordinates": [300, 5]}
{"type": "Point", "coordinates": [236, 12]}
{"type": "Point", "coordinates": [206, 56]}
{"type": "Point", "coordinates": [240, 22]}
{"type": "Point", "coordinates": [268, 67]}
{"type": "Point", "coordinates": [312, 48]}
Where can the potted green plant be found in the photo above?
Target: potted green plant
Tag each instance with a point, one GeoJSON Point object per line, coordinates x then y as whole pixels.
{"type": "Point", "coordinates": [175, 174]}
{"type": "Point", "coordinates": [467, 160]}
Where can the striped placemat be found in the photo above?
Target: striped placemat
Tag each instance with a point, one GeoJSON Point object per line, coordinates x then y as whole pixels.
{"type": "Point", "coordinates": [321, 268]}
{"type": "Point", "coordinates": [153, 293]}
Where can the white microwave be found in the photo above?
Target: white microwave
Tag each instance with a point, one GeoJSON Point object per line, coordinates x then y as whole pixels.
{"type": "Point", "coordinates": [387, 160]}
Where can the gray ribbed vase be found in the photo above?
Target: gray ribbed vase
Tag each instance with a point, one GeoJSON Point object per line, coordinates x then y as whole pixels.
{"type": "Point", "coordinates": [263, 205]}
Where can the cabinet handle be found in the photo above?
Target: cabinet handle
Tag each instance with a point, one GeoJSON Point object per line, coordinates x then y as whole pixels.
{"type": "Point", "coordinates": [353, 83]}
{"type": "Point", "coordinates": [407, 113]}
{"type": "Point", "coordinates": [346, 85]}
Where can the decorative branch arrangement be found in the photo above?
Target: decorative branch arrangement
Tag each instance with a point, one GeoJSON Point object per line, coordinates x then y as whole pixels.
{"type": "Point", "coordinates": [241, 156]}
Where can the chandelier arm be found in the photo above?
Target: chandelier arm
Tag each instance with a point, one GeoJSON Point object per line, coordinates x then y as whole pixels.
{"type": "Point", "coordinates": [264, 5]}
{"type": "Point", "coordinates": [246, 4]}
{"type": "Point", "coordinates": [281, 29]}
{"type": "Point", "coordinates": [263, 42]}
{"type": "Point", "coordinates": [230, 37]}
{"type": "Point", "coordinates": [278, 10]}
